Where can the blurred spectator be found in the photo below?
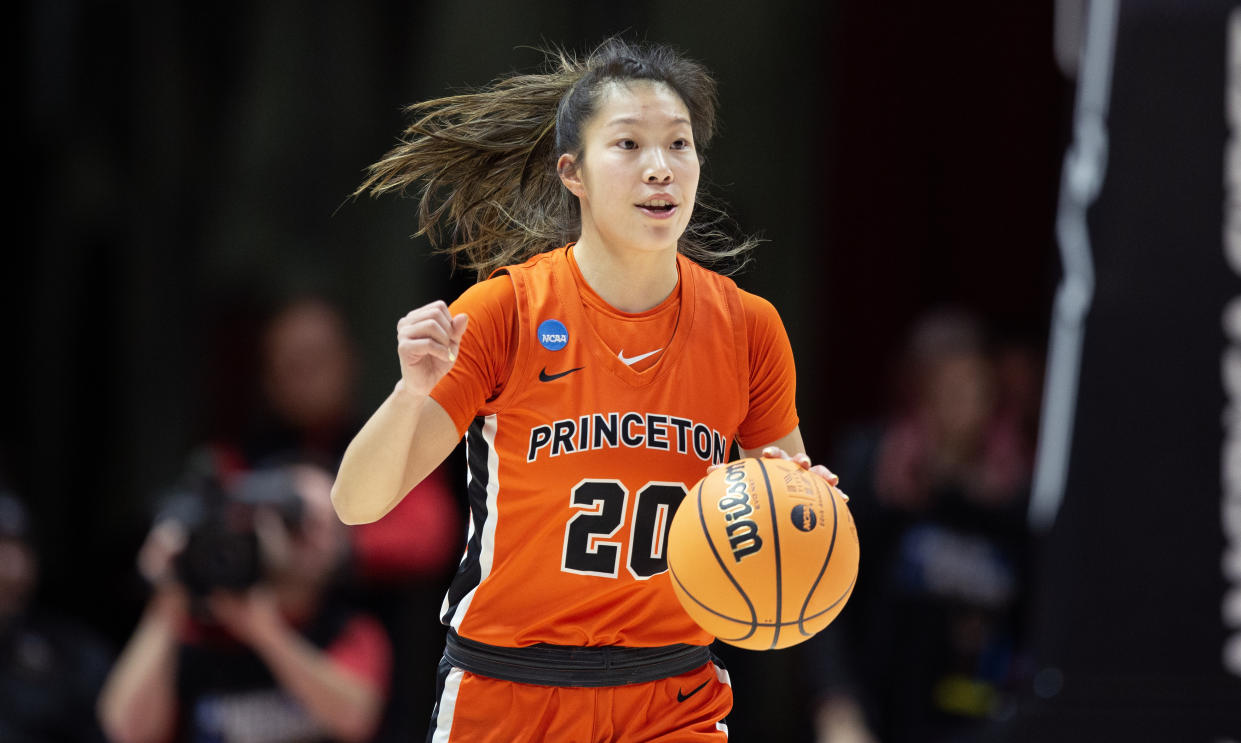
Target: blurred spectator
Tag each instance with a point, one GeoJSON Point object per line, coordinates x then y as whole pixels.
{"type": "Point", "coordinates": [307, 373]}
{"type": "Point", "coordinates": [1019, 398]}
{"type": "Point", "coordinates": [245, 637]}
{"type": "Point", "coordinates": [305, 411]}
{"type": "Point", "coordinates": [51, 668]}
{"type": "Point", "coordinates": [929, 648]}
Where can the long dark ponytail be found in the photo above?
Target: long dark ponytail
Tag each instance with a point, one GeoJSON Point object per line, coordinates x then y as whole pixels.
{"type": "Point", "coordinates": [483, 162]}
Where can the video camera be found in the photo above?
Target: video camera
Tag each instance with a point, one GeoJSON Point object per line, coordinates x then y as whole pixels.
{"type": "Point", "coordinates": [222, 549]}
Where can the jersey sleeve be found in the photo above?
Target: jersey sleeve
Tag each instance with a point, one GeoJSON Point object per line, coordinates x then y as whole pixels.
{"type": "Point", "coordinates": [485, 357]}
{"type": "Point", "coordinates": [773, 377]}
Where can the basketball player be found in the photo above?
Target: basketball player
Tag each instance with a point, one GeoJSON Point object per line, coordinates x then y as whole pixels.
{"type": "Point", "coordinates": [596, 375]}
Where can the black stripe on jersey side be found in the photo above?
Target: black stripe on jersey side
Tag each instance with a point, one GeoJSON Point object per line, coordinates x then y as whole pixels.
{"type": "Point", "coordinates": [801, 619]}
{"type": "Point", "coordinates": [775, 538]}
{"type": "Point", "coordinates": [441, 680]}
{"type": "Point", "coordinates": [470, 572]}
{"type": "Point", "coordinates": [711, 543]}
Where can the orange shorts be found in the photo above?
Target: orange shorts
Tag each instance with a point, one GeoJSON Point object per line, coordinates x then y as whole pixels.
{"type": "Point", "coordinates": [477, 709]}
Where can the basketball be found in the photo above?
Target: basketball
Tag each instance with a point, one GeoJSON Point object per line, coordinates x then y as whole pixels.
{"type": "Point", "coordinates": [763, 554]}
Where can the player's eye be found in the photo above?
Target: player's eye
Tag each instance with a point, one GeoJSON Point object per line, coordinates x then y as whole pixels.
{"type": "Point", "coordinates": [681, 144]}
{"type": "Point", "coordinates": [627, 144]}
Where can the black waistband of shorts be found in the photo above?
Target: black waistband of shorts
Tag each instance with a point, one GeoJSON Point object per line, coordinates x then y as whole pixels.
{"type": "Point", "coordinates": [565, 665]}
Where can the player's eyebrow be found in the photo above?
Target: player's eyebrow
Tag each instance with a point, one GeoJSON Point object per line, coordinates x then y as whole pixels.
{"type": "Point", "coordinates": [631, 120]}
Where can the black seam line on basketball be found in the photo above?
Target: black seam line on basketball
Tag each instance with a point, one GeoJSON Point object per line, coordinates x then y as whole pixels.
{"type": "Point", "coordinates": [710, 542]}
{"type": "Point", "coordinates": [775, 537]}
{"type": "Point", "coordinates": [754, 624]}
{"type": "Point", "coordinates": [682, 697]}
{"type": "Point", "coordinates": [829, 607]}
{"type": "Point", "coordinates": [801, 617]}
{"type": "Point", "coordinates": [545, 377]}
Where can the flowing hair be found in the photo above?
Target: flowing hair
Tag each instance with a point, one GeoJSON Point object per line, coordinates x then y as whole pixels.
{"type": "Point", "coordinates": [483, 163]}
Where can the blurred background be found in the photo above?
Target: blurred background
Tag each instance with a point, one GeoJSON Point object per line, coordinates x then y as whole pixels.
{"type": "Point", "coordinates": [187, 247]}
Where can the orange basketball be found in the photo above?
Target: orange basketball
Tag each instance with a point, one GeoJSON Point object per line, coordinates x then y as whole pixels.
{"type": "Point", "coordinates": [763, 554]}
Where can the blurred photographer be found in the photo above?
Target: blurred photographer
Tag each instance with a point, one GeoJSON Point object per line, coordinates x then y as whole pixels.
{"type": "Point", "coordinates": [244, 637]}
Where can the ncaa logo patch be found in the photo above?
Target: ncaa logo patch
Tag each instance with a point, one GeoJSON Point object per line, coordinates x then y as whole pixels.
{"type": "Point", "coordinates": [553, 335]}
{"type": "Point", "coordinates": [803, 517]}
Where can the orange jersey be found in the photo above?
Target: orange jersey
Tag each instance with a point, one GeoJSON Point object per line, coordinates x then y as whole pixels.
{"type": "Point", "coordinates": [578, 460]}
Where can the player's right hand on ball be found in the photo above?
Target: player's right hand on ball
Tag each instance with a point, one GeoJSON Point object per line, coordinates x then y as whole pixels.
{"type": "Point", "coordinates": [427, 341]}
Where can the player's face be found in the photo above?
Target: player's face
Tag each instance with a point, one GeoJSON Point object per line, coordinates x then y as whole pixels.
{"type": "Point", "coordinates": [637, 173]}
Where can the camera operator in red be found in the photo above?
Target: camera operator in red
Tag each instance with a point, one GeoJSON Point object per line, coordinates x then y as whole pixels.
{"type": "Point", "coordinates": [260, 652]}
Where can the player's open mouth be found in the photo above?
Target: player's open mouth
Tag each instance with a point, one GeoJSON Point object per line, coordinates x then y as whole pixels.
{"type": "Point", "coordinates": [658, 208]}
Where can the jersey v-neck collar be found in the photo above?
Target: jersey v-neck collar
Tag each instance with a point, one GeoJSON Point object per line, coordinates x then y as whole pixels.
{"type": "Point", "coordinates": [681, 300]}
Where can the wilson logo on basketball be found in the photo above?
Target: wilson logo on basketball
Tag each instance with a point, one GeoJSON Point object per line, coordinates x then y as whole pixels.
{"type": "Point", "coordinates": [742, 532]}
{"type": "Point", "coordinates": [804, 518]}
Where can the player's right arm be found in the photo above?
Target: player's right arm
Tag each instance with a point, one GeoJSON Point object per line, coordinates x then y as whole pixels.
{"type": "Point", "coordinates": [410, 433]}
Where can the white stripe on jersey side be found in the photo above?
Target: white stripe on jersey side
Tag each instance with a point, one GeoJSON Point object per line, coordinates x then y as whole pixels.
{"type": "Point", "coordinates": [487, 544]}
{"type": "Point", "coordinates": [447, 706]}
{"type": "Point", "coordinates": [721, 674]}
{"type": "Point", "coordinates": [465, 553]}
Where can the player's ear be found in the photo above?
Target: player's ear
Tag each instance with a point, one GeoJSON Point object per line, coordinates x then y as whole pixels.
{"type": "Point", "coordinates": [570, 174]}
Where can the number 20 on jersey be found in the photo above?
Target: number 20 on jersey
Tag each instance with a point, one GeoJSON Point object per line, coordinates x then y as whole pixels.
{"type": "Point", "coordinates": [591, 546]}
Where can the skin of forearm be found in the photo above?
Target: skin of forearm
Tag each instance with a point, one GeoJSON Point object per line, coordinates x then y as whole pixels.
{"type": "Point", "coordinates": [137, 703]}
{"type": "Point", "coordinates": [347, 706]}
{"type": "Point", "coordinates": [375, 472]}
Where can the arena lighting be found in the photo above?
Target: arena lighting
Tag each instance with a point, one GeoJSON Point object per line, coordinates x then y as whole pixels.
{"type": "Point", "coordinates": [1230, 506]}
{"type": "Point", "coordinates": [1085, 166]}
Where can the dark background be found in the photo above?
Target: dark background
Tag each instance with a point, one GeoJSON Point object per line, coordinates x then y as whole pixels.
{"type": "Point", "coordinates": [183, 166]}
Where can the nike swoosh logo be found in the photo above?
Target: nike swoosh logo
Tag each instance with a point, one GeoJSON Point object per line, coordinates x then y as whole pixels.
{"type": "Point", "coordinates": [545, 377]}
{"type": "Point", "coordinates": [682, 697]}
{"type": "Point", "coordinates": [635, 359]}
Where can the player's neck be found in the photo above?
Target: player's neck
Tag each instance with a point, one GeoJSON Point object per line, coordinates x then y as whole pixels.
{"type": "Point", "coordinates": [628, 280]}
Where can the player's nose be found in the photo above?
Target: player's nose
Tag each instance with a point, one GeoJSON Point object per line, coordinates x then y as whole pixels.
{"type": "Point", "coordinates": [657, 168]}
